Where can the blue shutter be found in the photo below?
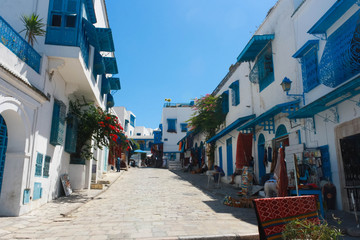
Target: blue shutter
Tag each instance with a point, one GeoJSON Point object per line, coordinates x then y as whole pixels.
{"type": "Point", "coordinates": [58, 123]}
{"type": "Point", "coordinates": [132, 120]}
{"type": "Point", "coordinates": [225, 102]}
{"type": "Point", "coordinates": [37, 193]}
{"type": "Point", "coordinates": [309, 69]}
{"type": "Point", "coordinates": [46, 169]}
{"type": "Point", "coordinates": [235, 94]}
{"type": "Point", "coordinates": [26, 196]}
{"type": "Point", "coordinates": [38, 165]}
{"type": "Point", "coordinates": [183, 127]}
{"type": "Point", "coordinates": [71, 134]}
{"type": "Point", "coordinates": [171, 125]}
{"type": "Point", "coordinates": [325, 161]}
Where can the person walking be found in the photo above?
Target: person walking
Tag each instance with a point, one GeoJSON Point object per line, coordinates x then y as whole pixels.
{"type": "Point", "coordinates": [118, 162]}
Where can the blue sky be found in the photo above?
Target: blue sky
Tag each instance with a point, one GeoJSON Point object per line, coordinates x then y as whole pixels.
{"type": "Point", "coordinates": [177, 49]}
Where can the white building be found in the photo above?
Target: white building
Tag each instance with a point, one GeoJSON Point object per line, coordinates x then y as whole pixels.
{"type": "Point", "coordinates": [127, 120]}
{"type": "Point", "coordinates": [174, 127]}
{"type": "Point", "coordinates": [312, 44]}
{"type": "Point", "coordinates": [36, 86]}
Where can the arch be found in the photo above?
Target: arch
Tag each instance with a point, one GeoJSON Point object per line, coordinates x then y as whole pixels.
{"type": "Point", "coordinates": [281, 131]}
{"type": "Point", "coordinates": [261, 140]}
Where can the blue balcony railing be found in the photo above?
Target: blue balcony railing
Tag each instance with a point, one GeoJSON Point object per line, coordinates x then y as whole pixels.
{"type": "Point", "coordinates": [15, 43]}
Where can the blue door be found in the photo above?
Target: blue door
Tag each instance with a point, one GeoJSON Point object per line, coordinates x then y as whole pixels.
{"type": "Point", "coordinates": [220, 157]}
{"type": "Point", "coordinates": [3, 146]}
{"type": "Point", "coordinates": [229, 157]}
{"type": "Point", "coordinates": [261, 152]}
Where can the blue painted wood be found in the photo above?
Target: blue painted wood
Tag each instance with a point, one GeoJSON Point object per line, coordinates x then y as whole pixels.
{"type": "Point", "coordinates": [171, 125]}
{"type": "Point", "coordinates": [26, 196]}
{"type": "Point", "coordinates": [15, 43]}
{"type": "Point", "coordinates": [46, 169]}
{"type": "Point", "coordinates": [58, 123]}
{"type": "Point", "coordinates": [309, 69]}
{"type": "Point", "coordinates": [225, 101]}
{"type": "Point", "coordinates": [254, 47]}
{"type": "Point", "coordinates": [71, 134]}
{"type": "Point", "coordinates": [3, 147]}
{"type": "Point", "coordinates": [261, 153]}
{"type": "Point", "coordinates": [281, 131]}
{"type": "Point", "coordinates": [325, 160]}
{"type": "Point", "coordinates": [37, 193]}
{"type": "Point", "coordinates": [229, 157]}
{"type": "Point", "coordinates": [132, 121]}
{"type": "Point", "coordinates": [235, 93]}
{"type": "Point", "coordinates": [221, 158]}
{"type": "Point", "coordinates": [38, 165]}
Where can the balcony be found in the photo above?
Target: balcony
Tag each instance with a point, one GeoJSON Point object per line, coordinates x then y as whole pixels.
{"type": "Point", "coordinates": [15, 43]}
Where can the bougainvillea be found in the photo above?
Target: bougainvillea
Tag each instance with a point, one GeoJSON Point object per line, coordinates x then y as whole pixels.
{"type": "Point", "coordinates": [95, 124]}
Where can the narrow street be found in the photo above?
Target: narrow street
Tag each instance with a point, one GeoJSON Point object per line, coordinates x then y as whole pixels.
{"type": "Point", "coordinates": [143, 203]}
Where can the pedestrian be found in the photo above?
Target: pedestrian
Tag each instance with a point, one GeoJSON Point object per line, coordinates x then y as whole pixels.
{"type": "Point", "coordinates": [238, 171]}
{"type": "Point", "coordinates": [118, 162]}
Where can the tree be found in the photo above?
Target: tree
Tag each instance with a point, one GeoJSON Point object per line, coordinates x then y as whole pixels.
{"type": "Point", "coordinates": [207, 118]}
{"type": "Point", "coordinates": [33, 27]}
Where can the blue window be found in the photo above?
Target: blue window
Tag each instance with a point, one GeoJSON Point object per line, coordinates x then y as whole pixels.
{"type": "Point", "coordinates": [132, 120]}
{"type": "Point", "coordinates": [37, 193]}
{"type": "Point", "coordinates": [63, 22]}
{"type": "Point", "coordinates": [46, 168]}
{"type": "Point", "coordinates": [38, 165]}
{"type": "Point", "coordinates": [26, 196]}
{"type": "Point", "coordinates": [183, 127]}
{"type": "Point", "coordinates": [309, 63]}
{"type": "Point", "coordinates": [235, 93]}
{"type": "Point", "coordinates": [71, 134]}
{"type": "Point", "coordinates": [263, 70]}
{"type": "Point", "coordinates": [225, 102]}
{"type": "Point", "coordinates": [58, 123]}
{"type": "Point", "coordinates": [126, 125]}
{"type": "Point", "coordinates": [171, 125]}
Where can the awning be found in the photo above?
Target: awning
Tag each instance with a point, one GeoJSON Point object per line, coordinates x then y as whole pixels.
{"type": "Point", "coordinates": [331, 16]}
{"type": "Point", "coordinates": [105, 85]}
{"type": "Point", "coordinates": [114, 83]}
{"type": "Point", "coordinates": [110, 65]}
{"type": "Point", "coordinates": [254, 47]}
{"type": "Point", "coordinates": [342, 93]}
{"type": "Point", "coordinates": [231, 127]}
{"type": "Point", "coordinates": [91, 34]}
{"type": "Point", "coordinates": [305, 48]}
{"type": "Point", "coordinates": [267, 118]}
{"type": "Point", "coordinates": [187, 134]}
{"type": "Point", "coordinates": [105, 38]}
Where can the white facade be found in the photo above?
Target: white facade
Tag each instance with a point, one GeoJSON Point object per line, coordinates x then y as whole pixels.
{"type": "Point", "coordinates": [174, 116]}
{"type": "Point", "coordinates": [127, 120]}
{"type": "Point", "coordinates": [318, 117]}
{"type": "Point", "coordinates": [26, 105]}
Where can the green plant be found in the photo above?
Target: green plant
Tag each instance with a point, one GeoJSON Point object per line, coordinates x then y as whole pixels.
{"type": "Point", "coordinates": [94, 124]}
{"type": "Point", "coordinates": [305, 229]}
{"type": "Point", "coordinates": [207, 118]}
{"type": "Point", "coordinates": [33, 27]}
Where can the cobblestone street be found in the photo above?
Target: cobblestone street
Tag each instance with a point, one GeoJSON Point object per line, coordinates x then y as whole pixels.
{"type": "Point", "coordinates": [143, 203]}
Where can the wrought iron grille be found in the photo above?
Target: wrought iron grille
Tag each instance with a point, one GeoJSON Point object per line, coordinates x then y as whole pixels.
{"type": "Point", "coordinates": [15, 43]}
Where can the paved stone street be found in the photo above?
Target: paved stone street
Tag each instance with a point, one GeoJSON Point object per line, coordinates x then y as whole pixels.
{"type": "Point", "coordinates": [143, 203]}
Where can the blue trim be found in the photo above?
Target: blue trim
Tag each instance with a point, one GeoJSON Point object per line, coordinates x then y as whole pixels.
{"type": "Point", "coordinates": [26, 196]}
{"type": "Point", "coordinates": [331, 16]}
{"type": "Point", "coordinates": [342, 93]}
{"type": "Point", "coordinates": [267, 118]}
{"type": "Point", "coordinates": [3, 147]}
{"type": "Point", "coordinates": [281, 131]}
{"type": "Point", "coordinates": [254, 47]}
{"type": "Point", "coordinates": [305, 48]}
{"type": "Point", "coordinates": [105, 38]}
{"type": "Point", "coordinates": [38, 165]}
{"type": "Point", "coordinates": [90, 31]}
{"type": "Point", "coordinates": [231, 127]}
{"type": "Point", "coordinates": [37, 193]}
{"type": "Point", "coordinates": [109, 101]}
{"type": "Point", "coordinates": [132, 120]}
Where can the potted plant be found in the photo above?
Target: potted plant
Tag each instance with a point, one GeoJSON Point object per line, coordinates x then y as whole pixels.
{"type": "Point", "coordinates": [33, 27]}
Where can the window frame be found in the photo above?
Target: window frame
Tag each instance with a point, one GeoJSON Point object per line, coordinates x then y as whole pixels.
{"type": "Point", "coordinates": [171, 122]}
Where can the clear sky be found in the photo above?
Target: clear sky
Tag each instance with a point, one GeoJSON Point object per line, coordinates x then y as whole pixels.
{"type": "Point", "coordinates": [177, 49]}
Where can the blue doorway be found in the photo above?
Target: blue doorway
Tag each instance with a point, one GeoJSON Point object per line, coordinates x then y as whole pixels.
{"type": "Point", "coordinates": [261, 152]}
{"type": "Point", "coordinates": [229, 157]}
{"type": "Point", "coordinates": [3, 146]}
{"type": "Point", "coordinates": [220, 157]}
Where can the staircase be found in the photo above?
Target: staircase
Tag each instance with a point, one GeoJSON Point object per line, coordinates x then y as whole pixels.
{"type": "Point", "coordinates": [174, 165]}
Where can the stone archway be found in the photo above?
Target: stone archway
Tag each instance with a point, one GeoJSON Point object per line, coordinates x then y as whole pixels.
{"type": "Point", "coordinates": [15, 176]}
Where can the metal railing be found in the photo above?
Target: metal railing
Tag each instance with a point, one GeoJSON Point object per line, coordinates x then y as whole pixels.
{"type": "Point", "coordinates": [17, 44]}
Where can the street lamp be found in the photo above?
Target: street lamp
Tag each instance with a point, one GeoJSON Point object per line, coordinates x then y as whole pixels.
{"type": "Point", "coordinates": [286, 86]}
